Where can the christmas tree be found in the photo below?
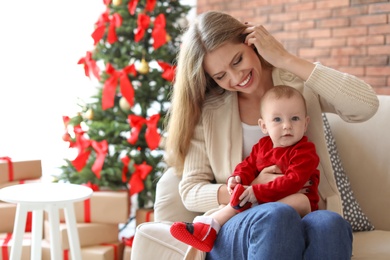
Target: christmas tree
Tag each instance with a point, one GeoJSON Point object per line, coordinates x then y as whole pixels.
{"type": "Point", "coordinates": [118, 131]}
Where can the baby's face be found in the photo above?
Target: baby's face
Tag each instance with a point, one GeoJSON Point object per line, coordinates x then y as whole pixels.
{"type": "Point", "coordinates": [284, 120]}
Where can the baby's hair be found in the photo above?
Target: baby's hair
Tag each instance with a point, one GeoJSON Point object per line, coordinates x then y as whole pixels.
{"type": "Point", "coordinates": [281, 91]}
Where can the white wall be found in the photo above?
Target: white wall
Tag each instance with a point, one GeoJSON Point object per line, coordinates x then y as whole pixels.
{"type": "Point", "coordinates": [40, 80]}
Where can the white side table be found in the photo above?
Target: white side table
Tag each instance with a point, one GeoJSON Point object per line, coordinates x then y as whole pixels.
{"type": "Point", "coordinates": [49, 197]}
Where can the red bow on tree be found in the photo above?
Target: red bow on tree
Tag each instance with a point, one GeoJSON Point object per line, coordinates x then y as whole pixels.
{"type": "Point", "coordinates": [90, 65]}
{"type": "Point", "coordinates": [168, 71]}
{"type": "Point", "coordinates": [114, 21]}
{"type": "Point", "coordinates": [152, 136]}
{"type": "Point", "coordinates": [138, 177]}
{"type": "Point", "coordinates": [125, 160]}
{"type": "Point", "coordinates": [132, 5]}
{"type": "Point", "coordinates": [159, 34]}
{"type": "Point", "coordinates": [143, 22]}
{"type": "Point", "coordinates": [82, 145]}
{"type": "Point", "coordinates": [126, 88]}
{"type": "Point", "coordinates": [101, 149]}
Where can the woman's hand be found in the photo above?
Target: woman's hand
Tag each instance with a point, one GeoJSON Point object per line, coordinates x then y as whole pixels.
{"type": "Point", "coordinates": [273, 172]}
{"type": "Point", "coordinates": [275, 53]}
{"type": "Point", "coordinates": [268, 174]}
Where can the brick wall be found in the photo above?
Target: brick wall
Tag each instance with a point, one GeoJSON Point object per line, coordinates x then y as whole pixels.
{"type": "Point", "coordinates": [349, 35]}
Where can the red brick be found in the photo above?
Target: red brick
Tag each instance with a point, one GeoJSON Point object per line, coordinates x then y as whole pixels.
{"type": "Point", "coordinates": [376, 50]}
{"type": "Point", "coordinates": [314, 14]}
{"type": "Point", "coordinates": [379, 8]}
{"type": "Point", "coordinates": [349, 51]}
{"type": "Point", "coordinates": [299, 7]}
{"type": "Point", "coordinates": [379, 29]}
{"type": "Point", "coordinates": [371, 60]}
{"type": "Point", "coordinates": [299, 25]}
{"type": "Point", "coordinates": [326, 4]}
{"type": "Point", "coordinates": [383, 90]}
{"type": "Point", "coordinates": [366, 40]}
{"type": "Point", "coordinates": [333, 22]}
{"type": "Point", "coordinates": [316, 33]}
{"type": "Point", "coordinates": [350, 11]}
{"type": "Point", "coordinates": [369, 19]}
{"type": "Point", "coordinates": [313, 52]}
{"type": "Point", "coordinates": [335, 61]}
{"type": "Point", "coordinates": [375, 81]}
{"type": "Point", "coordinates": [329, 42]}
{"type": "Point", "coordinates": [349, 31]}
{"type": "Point", "coordinates": [378, 71]}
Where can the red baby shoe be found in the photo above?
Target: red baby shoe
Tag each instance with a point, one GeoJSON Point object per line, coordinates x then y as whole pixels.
{"type": "Point", "coordinates": [198, 235]}
{"type": "Point", "coordinates": [235, 199]}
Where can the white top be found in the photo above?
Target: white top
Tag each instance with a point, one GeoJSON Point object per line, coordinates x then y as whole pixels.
{"type": "Point", "coordinates": [45, 192]}
{"type": "Point", "coordinates": [251, 135]}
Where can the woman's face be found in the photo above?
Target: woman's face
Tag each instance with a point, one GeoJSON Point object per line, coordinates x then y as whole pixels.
{"type": "Point", "coordinates": [234, 67]}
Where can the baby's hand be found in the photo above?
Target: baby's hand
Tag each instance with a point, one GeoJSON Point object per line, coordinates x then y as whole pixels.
{"type": "Point", "coordinates": [232, 182]}
{"type": "Point", "coordinates": [248, 196]}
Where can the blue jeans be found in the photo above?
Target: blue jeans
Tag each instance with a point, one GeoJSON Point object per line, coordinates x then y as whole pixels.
{"type": "Point", "coordinates": [275, 231]}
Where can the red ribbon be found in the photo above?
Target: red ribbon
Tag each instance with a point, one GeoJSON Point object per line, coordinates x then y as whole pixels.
{"type": "Point", "coordinates": [10, 167]}
{"type": "Point", "coordinates": [128, 241]}
{"type": "Point", "coordinates": [4, 246]}
{"type": "Point", "coordinates": [150, 4]}
{"type": "Point", "coordinates": [159, 34]}
{"type": "Point", "coordinates": [101, 149]}
{"type": "Point", "coordinates": [148, 214]}
{"type": "Point", "coordinates": [138, 177]}
{"type": "Point", "coordinates": [143, 24]}
{"type": "Point", "coordinates": [90, 65]}
{"type": "Point", "coordinates": [115, 247]}
{"type": "Point", "coordinates": [87, 211]}
{"type": "Point", "coordinates": [125, 160]}
{"type": "Point", "coordinates": [131, 6]}
{"type": "Point", "coordinates": [93, 187]}
{"type": "Point", "coordinates": [82, 145]}
{"type": "Point", "coordinates": [152, 136]}
{"type": "Point", "coordinates": [168, 71]}
{"type": "Point", "coordinates": [66, 254]}
{"type": "Point", "coordinates": [126, 88]}
{"type": "Point", "coordinates": [114, 21]}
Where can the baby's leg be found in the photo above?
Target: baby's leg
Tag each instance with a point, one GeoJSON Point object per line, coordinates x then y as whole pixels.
{"type": "Point", "coordinates": [299, 202]}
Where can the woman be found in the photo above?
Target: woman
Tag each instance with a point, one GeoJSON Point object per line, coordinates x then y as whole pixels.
{"type": "Point", "coordinates": [224, 68]}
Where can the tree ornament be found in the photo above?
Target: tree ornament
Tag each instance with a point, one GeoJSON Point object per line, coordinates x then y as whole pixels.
{"type": "Point", "coordinates": [89, 114]}
{"type": "Point", "coordinates": [124, 105]}
{"type": "Point", "coordinates": [168, 37]}
{"type": "Point", "coordinates": [116, 2]}
{"type": "Point", "coordinates": [143, 67]}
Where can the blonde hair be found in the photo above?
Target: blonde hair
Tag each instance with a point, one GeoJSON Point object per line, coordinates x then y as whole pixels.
{"type": "Point", "coordinates": [281, 91]}
{"type": "Point", "coordinates": [208, 32]}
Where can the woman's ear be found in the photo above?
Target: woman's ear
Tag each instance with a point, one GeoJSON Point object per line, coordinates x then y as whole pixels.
{"type": "Point", "coordinates": [262, 125]}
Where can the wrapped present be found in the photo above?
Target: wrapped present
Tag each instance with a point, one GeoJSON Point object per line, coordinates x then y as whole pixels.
{"type": "Point", "coordinates": [24, 181]}
{"type": "Point", "coordinates": [105, 251]}
{"type": "Point", "coordinates": [127, 253]}
{"type": "Point", "coordinates": [143, 215]}
{"type": "Point", "coordinates": [7, 213]}
{"type": "Point", "coordinates": [19, 170]}
{"type": "Point", "coordinates": [128, 244]}
{"type": "Point", "coordinates": [108, 207]}
{"type": "Point", "coordinates": [89, 233]}
{"type": "Point", "coordinates": [6, 243]}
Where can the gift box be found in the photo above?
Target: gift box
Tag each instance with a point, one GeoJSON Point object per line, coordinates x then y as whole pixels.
{"type": "Point", "coordinates": [24, 181]}
{"type": "Point", "coordinates": [106, 251]}
{"type": "Point", "coordinates": [19, 170]}
{"type": "Point", "coordinates": [144, 215]}
{"type": "Point", "coordinates": [89, 233]}
{"type": "Point", "coordinates": [107, 207]}
{"type": "Point", "coordinates": [127, 253]}
{"type": "Point", "coordinates": [6, 243]}
{"type": "Point", "coordinates": [7, 213]}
